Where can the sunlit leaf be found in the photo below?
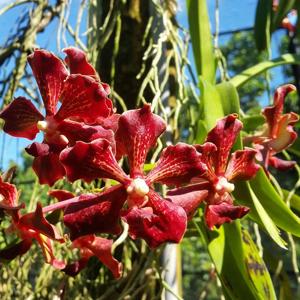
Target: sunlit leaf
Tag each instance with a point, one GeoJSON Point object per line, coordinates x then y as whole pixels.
{"type": "Point", "coordinates": [201, 39]}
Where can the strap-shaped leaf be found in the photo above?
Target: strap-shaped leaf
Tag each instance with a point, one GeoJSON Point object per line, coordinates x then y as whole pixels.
{"type": "Point", "coordinates": [256, 267]}
{"type": "Point", "coordinates": [236, 258]}
{"type": "Point", "coordinates": [262, 26]}
{"type": "Point", "coordinates": [211, 102]}
{"type": "Point", "coordinates": [248, 74]}
{"type": "Point", "coordinates": [201, 39]}
{"type": "Point", "coordinates": [276, 208]}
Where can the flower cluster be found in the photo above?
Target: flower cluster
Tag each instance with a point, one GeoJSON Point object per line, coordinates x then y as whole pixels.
{"type": "Point", "coordinates": [84, 139]}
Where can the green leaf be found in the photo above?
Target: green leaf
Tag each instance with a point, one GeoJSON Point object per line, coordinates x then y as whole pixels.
{"type": "Point", "coordinates": [237, 262]}
{"type": "Point", "coordinates": [283, 8]}
{"type": "Point", "coordinates": [201, 39]}
{"type": "Point", "coordinates": [295, 148]}
{"type": "Point", "coordinates": [276, 208]}
{"type": "Point", "coordinates": [262, 24]}
{"type": "Point", "coordinates": [251, 123]}
{"type": "Point", "coordinates": [245, 195]}
{"type": "Point", "coordinates": [256, 267]}
{"type": "Point", "coordinates": [229, 97]}
{"type": "Point", "coordinates": [201, 132]}
{"type": "Point", "coordinates": [259, 68]}
{"type": "Point", "coordinates": [267, 222]}
{"type": "Point", "coordinates": [294, 201]}
{"type": "Point", "coordinates": [212, 104]}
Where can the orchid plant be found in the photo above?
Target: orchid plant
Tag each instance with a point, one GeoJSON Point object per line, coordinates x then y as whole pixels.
{"type": "Point", "coordinates": [84, 139]}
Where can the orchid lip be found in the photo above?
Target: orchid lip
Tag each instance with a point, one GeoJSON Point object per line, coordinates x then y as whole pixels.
{"type": "Point", "coordinates": [224, 186]}
{"type": "Point", "coordinates": [139, 187]}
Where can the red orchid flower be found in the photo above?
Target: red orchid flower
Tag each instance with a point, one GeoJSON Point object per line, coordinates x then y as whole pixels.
{"type": "Point", "coordinates": [278, 133]}
{"type": "Point", "coordinates": [149, 216]}
{"type": "Point", "coordinates": [217, 183]}
{"type": "Point", "coordinates": [29, 227]}
{"type": "Point", "coordinates": [83, 98]}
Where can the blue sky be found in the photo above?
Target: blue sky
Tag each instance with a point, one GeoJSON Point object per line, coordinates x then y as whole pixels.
{"type": "Point", "coordinates": [234, 14]}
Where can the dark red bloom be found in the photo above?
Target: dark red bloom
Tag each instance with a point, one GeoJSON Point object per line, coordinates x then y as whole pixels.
{"type": "Point", "coordinates": [83, 98]}
{"type": "Point", "coordinates": [221, 172]}
{"type": "Point", "coordinates": [149, 216]}
{"type": "Point", "coordinates": [278, 133]}
{"type": "Point", "coordinates": [31, 226]}
{"type": "Point", "coordinates": [91, 245]}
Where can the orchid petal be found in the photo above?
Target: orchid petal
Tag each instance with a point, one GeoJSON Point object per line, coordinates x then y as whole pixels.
{"type": "Point", "coordinates": [273, 113]}
{"type": "Point", "coordinates": [18, 249]}
{"type": "Point", "coordinates": [48, 168]}
{"type": "Point", "coordinates": [46, 246]}
{"type": "Point", "coordinates": [189, 198]}
{"type": "Point", "coordinates": [75, 131]}
{"type": "Point", "coordinates": [138, 132]}
{"type": "Point", "coordinates": [101, 248]}
{"type": "Point", "coordinates": [89, 161]}
{"type": "Point", "coordinates": [96, 213]}
{"type": "Point", "coordinates": [280, 164]}
{"type": "Point", "coordinates": [61, 195]}
{"type": "Point", "coordinates": [162, 221]}
{"type": "Point", "coordinates": [38, 149]}
{"type": "Point", "coordinates": [177, 165]}
{"type": "Point", "coordinates": [50, 73]}
{"type": "Point", "coordinates": [77, 62]}
{"type": "Point", "coordinates": [84, 98]}
{"type": "Point", "coordinates": [224, 212]}
{"type": "Point", "coordinates": [224, 136]}
{"type": "Point", "coordinates": [21, 118]}
{"type": "Point", "coordinates": [8, 196]}
{"type": "Point", "coordinates": [111, 122]}
{"type": "Point", "coordinates": [33, 224]}
{"type": "Point", "coordinates": [285, 135]}
{"type": "Point", "coordinates": [242, 165]}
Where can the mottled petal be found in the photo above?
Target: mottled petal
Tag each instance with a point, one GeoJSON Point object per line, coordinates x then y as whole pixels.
{"type": "Point", "coordinates": [208, 152]}
{"type": "Point", "coordinates": [218, 214]}
{"type": "Point", "coordinates": [242, 165]}
{"type": "Point", "coordinates": [18, 249]}
{"type": "Point", "coordinates": [76, 131]}
{"type": "Point", "coordinates": [96, 213]}
{"type": "Point", "coordinates": [280, 164]}
{"type": "Point", "coordinates": [48, 168]}
{"type": "Point", "coordinates": [177, 165]}
{"type": "Point", "coordinates": [89, 161]}
{"type": "Point", "coordinates": [224, 136]}
{"type": "Point", "coordinates": [101, 248]}
{"type": "Point", "coordinates": [35, 223]}
{"type": "Point", "coordinates": [189, 198]}
{"type": "Point", "coordinates": [50, 73]}
{"type": "Point", "coordinates": [84, 98]}
{"type": "Point", "coordinates": [21, 118]}
{"type": "Point", "coordinates": [77, 62]}
{"type": "Point", "coordinates": [285, 135]}
{"type": "Point", "coordinates": [162, 221]}
{"type": "Point", "coordinates": [273, 113]}
{"type": "Point", "coordinates": [137, 132]}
